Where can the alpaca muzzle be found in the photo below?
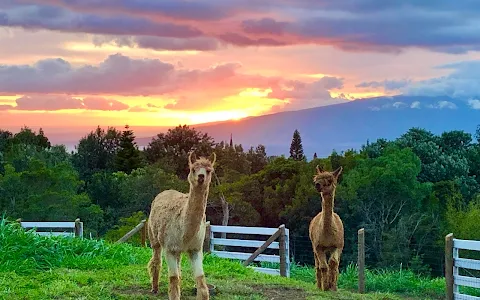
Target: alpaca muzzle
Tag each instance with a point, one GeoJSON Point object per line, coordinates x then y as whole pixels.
{"type": "Point", "coordinates": [201, 178]}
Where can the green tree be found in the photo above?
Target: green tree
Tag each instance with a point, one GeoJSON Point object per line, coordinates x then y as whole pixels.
{"type": "Point", "coordinates": [128, 156]}
{"type": "Point", "coordinates": [96, 152]}
{"type": "Point", "coordinates": [257, 158]}
{"type": "Point", "coordinates": [46, 193]}
{"type": "Point", "coordinates": [5, 139]}
{"type": "Point", "coordinates": [390, 202]}
{"type": "Point", "coordinates": [172, 148]}
{"type": "Point", "coordinates": [296, 148]}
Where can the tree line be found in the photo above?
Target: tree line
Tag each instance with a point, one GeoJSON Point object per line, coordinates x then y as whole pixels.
{"type": "Point", "coordinates": [407, 193]}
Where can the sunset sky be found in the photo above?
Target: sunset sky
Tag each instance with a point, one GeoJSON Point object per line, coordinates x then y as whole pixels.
{"type": "Point", "coordinates": [162, 63]}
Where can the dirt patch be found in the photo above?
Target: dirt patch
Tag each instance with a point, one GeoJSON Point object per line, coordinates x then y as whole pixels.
{"type": "Point", "coordinates": [270, 292]}
{"type": "Point", "coordinates": [278, 292]}
{"type": "Point", "coordinates": [139, 291]}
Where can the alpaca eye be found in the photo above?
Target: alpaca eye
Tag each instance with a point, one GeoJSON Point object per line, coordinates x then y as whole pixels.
{"type": "Point", "coordinates": [208, 171]}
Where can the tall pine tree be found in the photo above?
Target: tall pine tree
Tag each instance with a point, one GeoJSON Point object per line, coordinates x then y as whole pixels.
{"type": "Point", "coordinates": [128, 157]}
{"type": "Point", "coordinates": [296, 148]}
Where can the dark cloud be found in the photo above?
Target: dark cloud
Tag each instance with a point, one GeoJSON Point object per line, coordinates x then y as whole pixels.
{"type": "Point", "coordinates": [59, 102]}
{"type": "Point", "coordinates": [180, 9]}
{"type": "Point", "coordinates": [264, 26]}
{"type": "Point", "coordinates": [244, 41]}
{"type": "Point", "coordinates": [351, 25]}
{"type": "Point", "coordinates": [60, 19]}
{"type": "Point", "coordinates": [159, 43]}
{"type": "Point", "coordinates": [387, 85]}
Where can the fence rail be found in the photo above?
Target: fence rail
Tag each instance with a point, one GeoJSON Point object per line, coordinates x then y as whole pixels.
{"type": "Point", "coordinates": [74, 229]}
{"type": "Point", "coordinates": [142, 227]}
{"type": "Point", "coordinates": [282, 245]}
{"type": "Point", "coordinates": [453, 264]}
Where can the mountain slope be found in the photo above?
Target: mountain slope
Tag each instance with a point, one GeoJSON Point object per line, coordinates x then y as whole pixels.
{"type": "Point", "coordinates": [346, 125]}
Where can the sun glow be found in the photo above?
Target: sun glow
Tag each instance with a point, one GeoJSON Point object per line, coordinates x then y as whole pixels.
{"type": "Point", "coordinates": [216, 116]}
{"type": "Point", "coordinates": [254, 92]}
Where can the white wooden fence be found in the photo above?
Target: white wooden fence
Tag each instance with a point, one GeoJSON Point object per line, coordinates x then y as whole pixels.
{"type": "Point", "coordinates": [453, 262]}
{"type": "Point", "coordinates": [282, 245]}
{"type": "Point", "coordinates": [55, 228]}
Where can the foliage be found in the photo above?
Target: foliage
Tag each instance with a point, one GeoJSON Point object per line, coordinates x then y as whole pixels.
{"type": "Point", "coordinates": [296, 147]}
{"type": "Point", "coordinates": [96, 152]}
{"type": "Point", "coordinates": [388, 199]}
{"type": "Point", "coordinates": [463, 221]}
{"type": "Point", "coordinates": [40, 193]}
{"type": "Point", "coordinates": [172, 148]}
{"type": "Point", "coordinates": [407, 192]}
{"type": "Point", "coordinates": [124, 226]}
{"type": "Point", "coordinates": [128, 157]}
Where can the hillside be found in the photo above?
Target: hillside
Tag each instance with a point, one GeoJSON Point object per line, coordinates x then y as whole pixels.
{"type": "Point", "coordinates": [346, 125]}
{"type": "Point", "coordinates": [37, 267]}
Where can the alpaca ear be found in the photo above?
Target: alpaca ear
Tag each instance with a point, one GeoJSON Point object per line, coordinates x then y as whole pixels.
{"type": "Point", "coordinates": [213, 158]}
{"type": "Point", "coordinates": [191, 158]}
{"type": "Point", "coordinates": [337, 172]}
{"type": "Point", "coordinates": [319, 169]}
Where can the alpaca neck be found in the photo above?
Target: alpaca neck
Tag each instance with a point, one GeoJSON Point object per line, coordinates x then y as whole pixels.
{"type": "Point", "coordinates": [195, 212]}
{"type": "Point", "coordinates": [327, 207]}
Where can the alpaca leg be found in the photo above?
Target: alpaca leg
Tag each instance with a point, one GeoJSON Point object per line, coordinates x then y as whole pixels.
{"type": "Point", "coordinates": [333, 264]}
{"type": "Point", "coordinates": [155, 266]}
{"type": "Point", "coordinates": [321, 269]}
{"type": "Point", "coordinates": [174, 275]}
{"type": "Point", "coordinates": [196, 259]}
{"type": "Point", "coordinates": [318, 274]}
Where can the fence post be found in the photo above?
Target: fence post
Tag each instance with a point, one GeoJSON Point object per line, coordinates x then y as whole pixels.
{"type": "Point", "coordinates": [144, 233]}
{"type": "Point", "coordinates": [361, 260]}
{"type": "Point", "coordinates": [449, 265]}
{"type": "Point", "coordinates": [207, 240]}
{"type": "Point", "coordinates": [78, 228]}
{"type": "Point", "coordinates": [282, 252]}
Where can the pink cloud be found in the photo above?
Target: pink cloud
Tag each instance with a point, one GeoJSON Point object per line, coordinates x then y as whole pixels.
{"type": "Point", "coordinates": [59, 102]}
{"type": "Point", "coordinates": [52, 82]}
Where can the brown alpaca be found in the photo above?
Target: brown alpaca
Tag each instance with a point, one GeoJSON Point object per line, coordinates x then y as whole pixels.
{"type": "Point", "coordinates": [177, 224]}
{"type": "Point", "coordinates": [326, 232]}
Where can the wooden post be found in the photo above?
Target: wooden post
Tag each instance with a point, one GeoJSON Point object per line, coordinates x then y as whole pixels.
{"type": "Point", "coordinates": [131, 232]}
{"type": "Point", "coordinates": [361, 260]}
{"type": "Point", "coordinates": [282, 252]}
{"type": "Point", "coordinates": [78, 228]}
{"type": "Point", "coordinates": [449, 265]}
{"type": "Point", "coordinates": [144, 234]}
{"type": "Point", "coordinates": [207, 240]}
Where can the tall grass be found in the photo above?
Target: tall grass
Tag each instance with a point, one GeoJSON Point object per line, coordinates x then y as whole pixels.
{"type": "Point", "coordinates": [24, 252]}
{"type": "Point", "coordinates": [399, 281]}
{"type": "Point", "coordinates": [403, 282]}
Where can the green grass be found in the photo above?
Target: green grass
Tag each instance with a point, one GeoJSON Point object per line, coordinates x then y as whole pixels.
{"type": "Point", "coordinates": [36, 267]}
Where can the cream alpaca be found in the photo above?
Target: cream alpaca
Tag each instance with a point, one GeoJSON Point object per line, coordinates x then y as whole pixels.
{"type": "Point", "coordinates": [326, 232]}
{"type": "Point", "coordinates": [177, 224]}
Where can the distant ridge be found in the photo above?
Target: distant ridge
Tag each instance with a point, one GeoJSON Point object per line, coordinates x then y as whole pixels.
{"type": "Point", "coordinates": [345, 125]}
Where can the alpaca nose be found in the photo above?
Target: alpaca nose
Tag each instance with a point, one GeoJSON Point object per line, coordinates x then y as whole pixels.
{"type": "Point", "coordinates": [201, 178]}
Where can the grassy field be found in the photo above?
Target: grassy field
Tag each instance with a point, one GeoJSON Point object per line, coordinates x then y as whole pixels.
{"type": "Point", "coordinates": [35, 267]}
